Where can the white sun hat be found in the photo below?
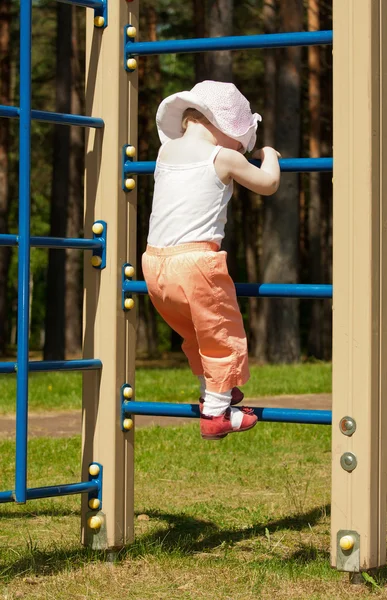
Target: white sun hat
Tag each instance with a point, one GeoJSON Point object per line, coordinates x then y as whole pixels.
{"type": "Point", "coordinates": [223, 105]}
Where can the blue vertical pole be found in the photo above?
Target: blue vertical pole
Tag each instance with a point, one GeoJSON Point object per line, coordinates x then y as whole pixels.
{"type": "Point", "coordinates": [24, 252]}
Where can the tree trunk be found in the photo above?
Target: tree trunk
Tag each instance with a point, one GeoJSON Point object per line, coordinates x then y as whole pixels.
{"type": "Point", "coordinates": [220, 23]}
{"type": "Point", "coordinates": [201, 59]}
{"type": "Point", "coordinates": [281, 230]}
{"type": "Point", "coordinates": [315, 334]}
{"type": "Point", "coordinates": [326, 180]}
{"type": "Point", "coordinates": [259, 308]}
{"type": "Point", "coordinates": [149, 98]}
{"type": "Point", "coordinates": [73, 335]}
{"type": "Point", "coordinates": [5, 92]}
{"type": "Point", "coordinates": [54, 347]}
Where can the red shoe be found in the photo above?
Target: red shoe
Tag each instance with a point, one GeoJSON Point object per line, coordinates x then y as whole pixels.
{"type": "Point", "coordinates": [236, 396]}
{"type": "Point", "coordinates": [216, 428]}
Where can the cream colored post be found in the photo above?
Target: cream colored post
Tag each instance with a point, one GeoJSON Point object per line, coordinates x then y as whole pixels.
{"type": "Point", "coordinates": [109, 333]}
{"type": "Point", "coordinates": [359, 474]}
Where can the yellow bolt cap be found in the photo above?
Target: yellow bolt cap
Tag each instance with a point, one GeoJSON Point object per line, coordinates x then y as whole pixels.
{"type": "Point", "coordinates": [96, 261]}
{"type": "Point", "coordinates": [94, 469]}
{"type": "Point", "coordinates": [94, 503]}
{"type": "Point", "coordinates": [131, 63]}
{"type": "Point", "coordinates": [347, 542]}
{"type": "Point", "coordinates": [99, 21]}
{"type": "Point", "coordinates": [130, 184]}
{"type": "Point", "coordinates": [97, 228]}
{"type": "Point", "coordinates": [127, 392]}
{"type": "Point", "coordinates": [129, 271]}
{"type": "Point", "coordinates": [131, 31]}
{"type": "Point", "coordinates": [129, 303]}
{"type": "Point", "coordinates": [95, 522]}
{"type": "Point", "coordinates": [128, 424]}
{"type": "Point", "coordinates": [130, 151]}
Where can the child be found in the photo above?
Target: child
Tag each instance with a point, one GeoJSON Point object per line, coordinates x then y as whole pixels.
{"type": "Point", "coordinates": [204, 134]}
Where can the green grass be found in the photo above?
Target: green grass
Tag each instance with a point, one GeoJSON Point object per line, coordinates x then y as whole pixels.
{"type": "Point", "coordinates": [62, 391]}
{"type": "Point", "coordinates": [241, 519]}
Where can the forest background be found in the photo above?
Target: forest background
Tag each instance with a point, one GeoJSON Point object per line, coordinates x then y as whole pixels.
{"type": "Point", "coordinates": [285, 238]}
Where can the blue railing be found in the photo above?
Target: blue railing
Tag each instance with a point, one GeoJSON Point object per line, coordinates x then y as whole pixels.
{"type": "Point", "coordinates": [271, 40]}
{"type": "Point", "coordinates": [267, 290]}
{"type": "Point", "coordinates": [24, 241]}
{"type": "Point", "coordinates": [192, 411]}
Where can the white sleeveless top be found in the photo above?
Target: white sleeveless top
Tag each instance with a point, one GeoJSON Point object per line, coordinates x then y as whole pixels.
{"type": "Point", "coordinates": [189, 203]}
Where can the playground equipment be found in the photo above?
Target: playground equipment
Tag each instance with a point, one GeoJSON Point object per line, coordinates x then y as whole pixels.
{"type": "Point", "coordinates": [359, 448]}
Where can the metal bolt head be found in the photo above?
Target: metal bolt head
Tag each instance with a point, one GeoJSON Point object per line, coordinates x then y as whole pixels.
{"type": "Point", "coordinates": [129, 303]}
{"type": "Point", "coordinates": [97, 228]}
{"type": "Point", "coordinates": [130, 151]}
{"type": "Point", "coordinates": [95, 522]}
{"type": "Point", "coordinates": [129, 271]}
{"type": "Point", "coordinates": [94, 470]}
{"type": "Point", "coordinates": [128, 424]}
{"type": "Point", "coordinates": [347, 542]}
{"type": "Point", "coordinates": [127, 392]}
{"type": "Point", "coordinates": [99, 21]}
{"type": "Point", "coordinates": [347, 426]}
{"type": "Point", "coordinates": [131, 31]}
{"type": "Point", "coordinates": [130, 184]}
{"type": "Point", "coordinates": [94, 503]}
{"type": "Point", "coordinates": [348, 461]}
{"type": "Point", "coordinates": [131, 63]}
{"type": "Point", "coordinates": [96, 260]}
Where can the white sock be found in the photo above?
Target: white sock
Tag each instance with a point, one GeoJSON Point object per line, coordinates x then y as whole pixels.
{"type": "Point", "coordinates": [216, 404]}
{"type": "Point", "coordinates": [202, 383]}
{"type": "Point", "coordinates": [236, 417]}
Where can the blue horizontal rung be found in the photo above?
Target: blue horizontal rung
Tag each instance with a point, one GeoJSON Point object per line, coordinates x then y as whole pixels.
{"type": "Point", "coordinates": [85, 3]}
{"type": "Point", "coordinates": [283, 290]}
{"type": "Point", "coordinates": [50, 242]}
{"type": "Point", "coordinates": [272, 40]}
{"type": "Point", "coordinates": [287, 165]}
{"type": "Point", "coordinates": [50, 117]}
{"type": "Point", "coordinates": [100, 9]}
{"type": "Point", "coordinates": [268, 290]}
{"type": "Point", "coordinates": [275, 415]}
{"type": "Point", "coordinates": [53, 490]}
{"type": "Point", "coordinates": [86, 364]}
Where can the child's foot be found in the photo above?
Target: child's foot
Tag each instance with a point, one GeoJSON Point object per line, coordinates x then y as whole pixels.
{"type": "Point", "coordinates": [216, 428]}
{"type": "Point", "coordinates": [236, 396]}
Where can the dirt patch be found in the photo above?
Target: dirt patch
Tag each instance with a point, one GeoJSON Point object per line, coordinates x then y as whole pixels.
{"type": "Point", "coordinates": [68, 423]}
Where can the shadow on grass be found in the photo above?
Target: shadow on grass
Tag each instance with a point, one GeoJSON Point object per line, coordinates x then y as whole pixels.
{"type": "Point", "coordinates": [191, 535]}
{"type": "Point", "coordinates": [185, 535]}
{"type": "Point", "coordinates": [44, 512]}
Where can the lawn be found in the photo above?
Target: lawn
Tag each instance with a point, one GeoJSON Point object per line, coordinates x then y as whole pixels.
{"type": "Point", "coordinates": [240, 519]}
{"type": "Point", "coordinates": [62, 391]}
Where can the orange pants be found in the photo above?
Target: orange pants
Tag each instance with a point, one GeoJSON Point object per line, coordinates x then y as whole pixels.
{"type": "Point", "coordinates": [190, 287]}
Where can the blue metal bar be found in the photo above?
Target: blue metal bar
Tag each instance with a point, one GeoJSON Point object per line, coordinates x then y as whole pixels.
{"type": "Point", "coordinates": [283, 290]}
{"type": "Point", "coordinates": [298, 165]}
{"type": "Point", "coordinates": [13, 112]}
{"type": "Point", "coordinates": [50, 242]}
{"type": "Point", "coordinates": [271, 40]}
{"type": "Point", "coordinates": [279, 415]}
{"type": "Point", "coordinates": [53, 490]}
{"type": "Point", "coordinates": [24, 251]}
{"type": "Point", "coordinates": [85, 3]}
{"type": "Point", "coordinates": [268, 290]}
{"type": "Point", "coordinates": [87, 364]}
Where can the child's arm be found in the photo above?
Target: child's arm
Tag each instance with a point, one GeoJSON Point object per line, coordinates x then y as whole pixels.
{"type": "Point", "coordinates": [264, 180]}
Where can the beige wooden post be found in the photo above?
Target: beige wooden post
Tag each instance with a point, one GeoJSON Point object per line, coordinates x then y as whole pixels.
{"type": "Point", "coordinates": [109, 333]}
{"type": "Point", "coordinates": [359, 474]}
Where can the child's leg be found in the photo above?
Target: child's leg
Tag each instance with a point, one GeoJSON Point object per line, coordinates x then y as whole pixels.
{"type": "Point", "coordinates": [223, 347]}
{"type": "Point", "coordinates": [171, 303]}
{"type": "Point", "coordinates": [218, 324]}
